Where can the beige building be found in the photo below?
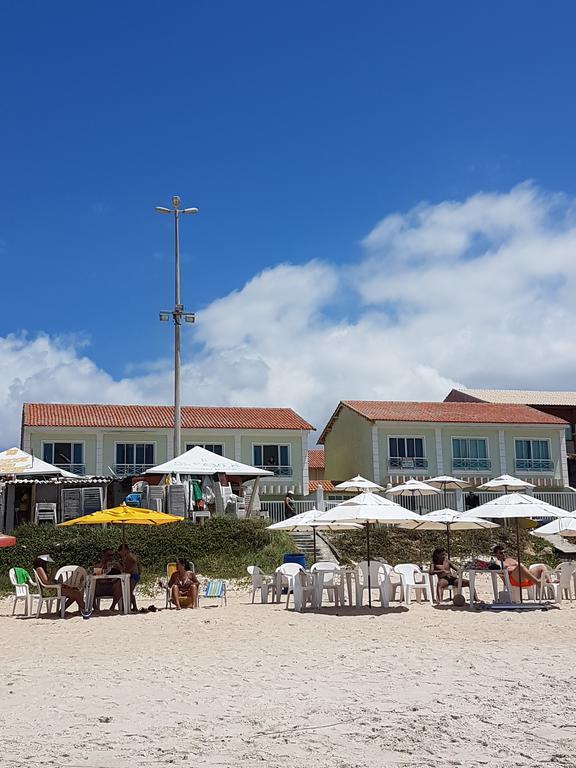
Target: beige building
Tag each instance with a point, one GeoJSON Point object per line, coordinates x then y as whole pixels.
{"type": "Point", "coordinates": [393, 441]}
{"type": "Point", "coordinates": [128, 439]}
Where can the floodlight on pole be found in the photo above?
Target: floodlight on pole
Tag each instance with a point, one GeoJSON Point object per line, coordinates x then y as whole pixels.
{"type": "Point", "coordinates": [178, 314]}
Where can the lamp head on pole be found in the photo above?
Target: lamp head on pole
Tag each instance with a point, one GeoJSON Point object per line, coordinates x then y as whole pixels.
{"type": "Point", "coordinates": [176, 201]}
{"type": "Point", "coordinates": [161, 209]}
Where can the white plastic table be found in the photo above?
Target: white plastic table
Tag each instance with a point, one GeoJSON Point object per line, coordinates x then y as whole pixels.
{"type": "Point", "coordinates": [495, 577]}
{"type": "Point", "coordinates": [124, 578]}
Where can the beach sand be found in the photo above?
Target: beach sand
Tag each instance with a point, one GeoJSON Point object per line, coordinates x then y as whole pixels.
{"type": "Point", "coordinates": [255, 685]}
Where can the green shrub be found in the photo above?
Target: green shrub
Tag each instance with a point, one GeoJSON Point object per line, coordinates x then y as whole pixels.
{"type": "Point", "coordinates": [221, 547]}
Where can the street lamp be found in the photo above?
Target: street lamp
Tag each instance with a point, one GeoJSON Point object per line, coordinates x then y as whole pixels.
{"type": "Point", "coordinates": [178, 314]}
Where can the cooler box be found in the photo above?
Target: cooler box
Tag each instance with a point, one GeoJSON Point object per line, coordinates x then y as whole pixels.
{"type": "Point", "coordinates": [133, 499]}
{"type": "Point", "coordinates": [295, 558]}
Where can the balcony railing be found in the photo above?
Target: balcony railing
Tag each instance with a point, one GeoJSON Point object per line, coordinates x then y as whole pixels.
{"type": "Point", "coordinates": [77, 469]}
{"type": "Point", "coordinates": [131, 469]}
{"type": "Point", "coordinates": [464, 465]}
{"type": "Point", "coordinates": [280, 470]}
{"type": "Point", "coordinates": [416, 462]}
{"type": "Point", "coordinates": [534, 465]}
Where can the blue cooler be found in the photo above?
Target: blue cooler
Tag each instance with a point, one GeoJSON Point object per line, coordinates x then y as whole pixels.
{"type": "Point", "coordinates": [133, 499]}
{"type": "Point", "coordinates": [295, 558]}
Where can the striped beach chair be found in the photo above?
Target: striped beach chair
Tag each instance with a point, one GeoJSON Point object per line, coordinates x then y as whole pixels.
{"type": "Point", "coordinates": [215, 589]}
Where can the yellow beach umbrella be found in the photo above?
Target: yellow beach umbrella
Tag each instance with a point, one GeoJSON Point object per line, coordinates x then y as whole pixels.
{"type": "Point", "coordinates": [124, 515]}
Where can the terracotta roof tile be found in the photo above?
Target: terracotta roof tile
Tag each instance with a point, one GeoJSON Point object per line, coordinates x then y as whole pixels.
{"type": "Point", "coordinates": [447, 412]}
{"type": "Point", "coordinates": [326, 485]}
{"type": "Point", "coordinates": [159, 417]}
{"type": "Point", "coordinates": [316, 458]}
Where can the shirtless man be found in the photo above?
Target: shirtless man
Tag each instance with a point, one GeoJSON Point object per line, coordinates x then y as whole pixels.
{"type": "Point", "coordinates": [129, 564]}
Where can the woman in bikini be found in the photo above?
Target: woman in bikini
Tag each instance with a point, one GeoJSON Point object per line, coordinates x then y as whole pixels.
{"type": "Point", "coordinates": [446, 572]}
{"type": "Point", "coordinates": [183, 584]}
{"type": "Point", "coordinates": [519, 575]}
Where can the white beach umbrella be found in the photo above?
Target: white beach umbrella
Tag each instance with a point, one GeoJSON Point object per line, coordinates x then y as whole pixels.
{"type": "Point", "coordinates": [505, 483]}
{"type": "Point", "coordinates": [565, 526]}
{"type": "Point", "coordinates": [450, 520]}
{"type": "Point", "coordinates": [516, 506]}
{"type": "Point", "coordinates": [308, 521]}
{"type": "Point", "coordinates": [369, 509]}
{"type": "Point", "coordinates": [358, 484]}
{"type": "Point", "coordinates": [414, 488]}
{"type": "Point", "coordinates": [447, 483]}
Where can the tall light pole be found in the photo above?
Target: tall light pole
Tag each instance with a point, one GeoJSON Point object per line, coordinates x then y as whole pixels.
{"type": "Point", "coordinates": [178, 314]}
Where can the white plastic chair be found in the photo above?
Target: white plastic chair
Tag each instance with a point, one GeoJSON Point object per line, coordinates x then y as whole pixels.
{"type": "Point", "coordinates": [285, 574]}
{"type": "Point", "coordinates": [414, 580]}
{"type": "Point", "coordinates": [561, 586]}
{"type": "Point", "coordinates": [261, 581]}
{"type": "Point", "coordinates": [389, 586]}
{"type": "Point", "coordinates": [45, 512]}
{"type": "Point", "coordinates": [22, 592]}
{"type": "Point", "coordinates": [335, 591]}
{"type": "Point", "coordinates": [73, 576]}
{"type": "Point", "coordinates": [49, 594]}
{"type": "Point", "coordinates": [304, 591]}
{"type": "Point", "coordinates": [377, 575]}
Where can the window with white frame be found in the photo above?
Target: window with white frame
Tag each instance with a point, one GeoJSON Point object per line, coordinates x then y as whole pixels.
{"type": "Point", "coordinates": [406, 453]}
{"type": "Point", "coordinates": [275, 458]}
{"type": "Point", "coordinates": [470, 453]}
{"type": "Point", "coordinates": [533, 455]}
{"type": "Point", "coordinates": [214, 447]}
{"type": "Point", "coordinates": [68, 456]}
{"type": "Point", "coordinates": [132, 458]}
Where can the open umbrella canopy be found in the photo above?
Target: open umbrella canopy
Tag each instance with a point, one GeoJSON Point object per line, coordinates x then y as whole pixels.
{"type": "Point", "coordinates": [199, 461]}
{"type": "Point", "coordinates": [307, 521]}
{"type": "Point", "coordinates": [444, 519]}
{"type": "Point", "coordinates": [505, 483]}
{"type": "Point", "coordinates": [124, 515]}
{"type": "Point", "coordinates": [369, 508]}
{"type": "Point", "coordinates": [565, 526]}
{"type": "Point", "coordinates": [516, 505]}
{"type": "Point", "coordinates": [15, 461]}
{"type": "Point", "coordinates": [413, 488]}
{"type": "Point", "coordinates": [7, 541]}
{"type": "Point", "coordinates": [447, 483]}
{"type": "Point", "coordinates": [358, 484]}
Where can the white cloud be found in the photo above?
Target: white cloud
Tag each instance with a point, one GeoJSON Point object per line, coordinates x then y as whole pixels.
{"type": "Point", "coordinates": [478, 292]}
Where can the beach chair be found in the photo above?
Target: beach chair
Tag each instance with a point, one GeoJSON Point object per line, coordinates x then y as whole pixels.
{"type": "Point", "coordinates": [261, 582]}
{"type": "Point", "coordinates": [170, 569]}
{"type": "Point", "coordinates": [304, 591]}
{"type": "Point", "coordinates": [284, 577]}
{"type": "Point", "coordinates": [215, 589]}
{"type": "Point", "coordinates": [561, 586]}
{"type": "Point", "coordinates": [389, 585]}
{"type": "Point", "coordinates": [335, 590]}
{"type": "Point", "coordinates": [414, 580]}
{"type": "Point", "coordinates": [45, 512]}
{"type": "Point", "coordinates": [377, 575]}
{"type": "Point", "coordinates": [22, 590]}
{"type": "Point", "coordinates": [49, 594]}
{"type": "Point", "coordinates": [72, 575]}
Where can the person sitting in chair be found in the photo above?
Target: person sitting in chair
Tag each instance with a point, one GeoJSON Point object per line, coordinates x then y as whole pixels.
{"type": "Point", "coordinates": [446, 572]}
{"type": "Point", "coordinates": [71, 594]}
{"type": "Point", "coordinates": [183, 585]}
{"type": "Point", "coordinates": [519, 575]}
{"type": "Point", "coordinates": [129, 564]}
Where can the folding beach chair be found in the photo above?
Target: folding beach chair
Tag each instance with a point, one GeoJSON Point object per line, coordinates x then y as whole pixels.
{"type": "Point", "coordinates": [215, 589]}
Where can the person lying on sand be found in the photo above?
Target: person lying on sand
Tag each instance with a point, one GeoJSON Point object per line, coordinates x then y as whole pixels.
{"type": "Point", "coordinates": [72, 595]}
{"type": "Point", "coordinates": [183, 584]}
{"type": "Point", "coordinates": [519, 575]}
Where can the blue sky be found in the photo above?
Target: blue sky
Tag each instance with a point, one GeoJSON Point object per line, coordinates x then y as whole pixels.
{"type": "Point", "coordinates": [295, 128]}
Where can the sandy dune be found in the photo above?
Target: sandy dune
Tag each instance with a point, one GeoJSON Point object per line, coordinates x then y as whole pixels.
{"type": "Point", "coordinates": [258, 685]}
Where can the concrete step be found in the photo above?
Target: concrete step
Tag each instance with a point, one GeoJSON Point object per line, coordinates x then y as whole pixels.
{"type": "Point", "coordinates": [304, 540]}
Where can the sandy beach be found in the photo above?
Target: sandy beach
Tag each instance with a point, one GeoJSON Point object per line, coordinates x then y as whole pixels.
{"type": "Point", "coordinates": [252, 685]}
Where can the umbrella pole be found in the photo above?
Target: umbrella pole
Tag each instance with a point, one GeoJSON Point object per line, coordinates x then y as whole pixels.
{"type": "Point", "coordinates": [518, 550]}
{"type": "Point", "coordinates": [448, 538]}
{"type": "Point", "coordinates": [314, 530]}
{"type": "Point", "coordinates": [368, 560]}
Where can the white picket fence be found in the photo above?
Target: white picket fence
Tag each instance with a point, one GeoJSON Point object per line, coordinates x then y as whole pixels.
{"type": "Point", "coordinates": [563, 499]}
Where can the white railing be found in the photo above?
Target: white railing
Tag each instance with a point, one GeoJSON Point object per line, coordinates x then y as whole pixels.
{"type": "Point", "coordinates": [422, 504]}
